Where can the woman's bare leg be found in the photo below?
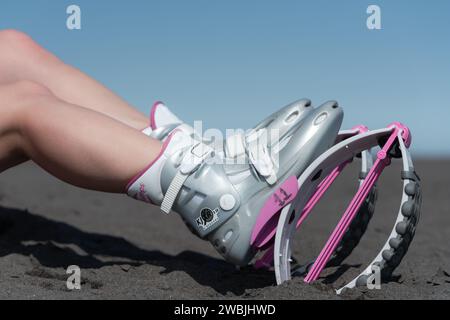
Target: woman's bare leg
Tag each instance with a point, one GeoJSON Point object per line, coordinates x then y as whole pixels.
{"type": "Point", "coordinates": [23, 59]}
{"type": "Point", "coordinates": [77, 145]}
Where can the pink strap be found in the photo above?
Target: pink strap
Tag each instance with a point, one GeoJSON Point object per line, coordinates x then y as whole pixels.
{"type": "Point", "coordinates": [382, 161]}
{"type": "Point", "coordinates": [266, 260]}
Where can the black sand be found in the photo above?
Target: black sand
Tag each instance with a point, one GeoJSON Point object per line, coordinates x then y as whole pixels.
{"type": "Point", "coordinates": [127, 249]}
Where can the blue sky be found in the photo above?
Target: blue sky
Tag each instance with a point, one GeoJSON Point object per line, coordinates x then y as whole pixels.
{"type": "Point", "coordinates": [231, 63]}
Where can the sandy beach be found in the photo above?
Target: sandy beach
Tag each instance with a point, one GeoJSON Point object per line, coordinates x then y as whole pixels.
{"type": "Point", "coordinates": [129, 250]}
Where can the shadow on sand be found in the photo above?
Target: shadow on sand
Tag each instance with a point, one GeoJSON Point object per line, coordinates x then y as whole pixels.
{"type": "Point", "coordinates": [56, 244]}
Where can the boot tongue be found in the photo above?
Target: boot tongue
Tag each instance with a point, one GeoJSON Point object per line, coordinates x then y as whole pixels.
{"type": "Point", "coordinates": [161, 116]}
{"type": "Point", "coordinates": [163, 122]}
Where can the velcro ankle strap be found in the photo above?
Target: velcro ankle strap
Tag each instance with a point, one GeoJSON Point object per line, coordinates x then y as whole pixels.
{"type": "Point", "coordinates": [192, 160]}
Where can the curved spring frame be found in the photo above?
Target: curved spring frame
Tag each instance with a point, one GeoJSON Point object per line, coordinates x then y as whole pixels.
{"type": "Point", "coordinates": [395, 141]}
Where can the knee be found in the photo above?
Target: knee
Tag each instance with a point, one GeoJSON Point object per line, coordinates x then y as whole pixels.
{"type": "Point", "coordinates": [14, 36]}
{"type": "Point", "coordinates": [20, 100]}
{"type": "Point", "coordinates": [19, 45]}
{"type": "Point", "coordinates": [29, 99]}
{"type": "Point", "coordinates": [15, 39]}
{"type": "Point", "coordinates": [20, 95]}
{"type": "Point", "coordinates": [30, 89]}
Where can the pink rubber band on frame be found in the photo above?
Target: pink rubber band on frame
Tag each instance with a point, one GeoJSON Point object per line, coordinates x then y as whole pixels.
{"type": "Point", "coordinates": [382, 161]}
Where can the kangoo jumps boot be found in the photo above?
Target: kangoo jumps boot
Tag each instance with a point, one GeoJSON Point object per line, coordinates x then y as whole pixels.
{"type": "Point", "coordinates": [221, 194]}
